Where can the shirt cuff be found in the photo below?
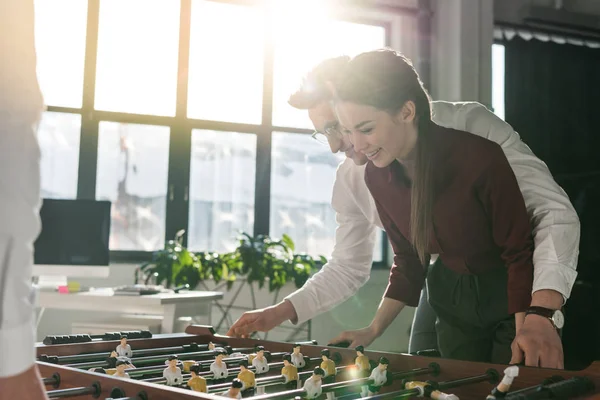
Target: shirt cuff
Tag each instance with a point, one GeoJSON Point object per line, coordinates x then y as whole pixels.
{"type": "Point", "coordinates": [17, 348]}
{"type": "Point", "coordinates": [300, 301]}
{"type": "Point", "coordinates": [554, 277]}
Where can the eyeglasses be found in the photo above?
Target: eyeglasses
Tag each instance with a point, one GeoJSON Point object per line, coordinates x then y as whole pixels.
{"type": "Point", "coordinates": [322, 137]}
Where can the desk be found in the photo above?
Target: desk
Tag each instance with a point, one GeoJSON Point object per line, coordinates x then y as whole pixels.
{"type": "Point", "coordinates": [170, 305]}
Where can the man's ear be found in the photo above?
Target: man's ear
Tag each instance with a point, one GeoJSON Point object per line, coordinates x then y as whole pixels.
{"type": "Point", "coordinates": [407, 113]}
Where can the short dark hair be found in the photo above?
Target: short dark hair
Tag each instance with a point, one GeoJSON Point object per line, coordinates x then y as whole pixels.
{"type": "Point", "coordinates": [236, 383]}
{"type": "Point", "coordinates": [120, 362]}
{"type": "Point", "coordinates": [173, 357]}
{"type": "Point", "coordinates": [319, 371]}
{"type": "Point", "coordinates": [195, 368]}
{"type": "Point", "coordinates": [244, 362]}
{"type": "Point", "coordinates": [360, 348]}
{"type": "Point", "coordinates": [384, 361]}
{"type": "Point", "coordinates": [259, 348]}
{"type": "Point", "coordinates": [287, 357]}
{"type": "Point", "coordinates": [314, 85]}
{"type": "Point", "coordinates": [325, 352]}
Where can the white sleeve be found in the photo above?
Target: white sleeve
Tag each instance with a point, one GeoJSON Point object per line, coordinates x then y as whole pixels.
{"type": "Point", "coordinates": [349, 266]}
{"type": "Point", "coordinates": [556, 228]}
{"type": "Point", "coordinates": [20, 108]}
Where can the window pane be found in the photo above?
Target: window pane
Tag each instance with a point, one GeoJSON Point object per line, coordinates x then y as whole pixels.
{"type": "Point", "coordinates": [58, 136]}
{"type": "Point", "coordinates": [223, 172]}
{"type": "Point", "coordinates": [302, 175]}
{"type": "Point", "coordinates": [133, 162]}
{"type": "Point", "coordinates": [498, 79]}
{"type": "Point", "coordinates": [136, 70]}
{"type": "Point", "coordinates": [296, 54]}
{"type": "Point", "coordinates": [60, 30]}
{"type": "Point", "coordinates": [226, 62]}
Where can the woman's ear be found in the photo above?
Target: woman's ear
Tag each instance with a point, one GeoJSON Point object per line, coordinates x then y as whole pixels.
{"type": "Point", "coordinates": [408, 112]}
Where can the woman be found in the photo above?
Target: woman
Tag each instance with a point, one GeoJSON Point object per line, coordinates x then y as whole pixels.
{"type": "Point", "coordinates": [469, 210]}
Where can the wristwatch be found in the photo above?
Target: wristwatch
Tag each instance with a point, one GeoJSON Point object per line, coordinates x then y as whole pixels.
{"type": "Point", "coordinates": [555, 316]}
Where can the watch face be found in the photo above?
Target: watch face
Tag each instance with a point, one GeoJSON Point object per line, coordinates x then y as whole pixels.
{"type": "Point", "coordinates": [559, 319]}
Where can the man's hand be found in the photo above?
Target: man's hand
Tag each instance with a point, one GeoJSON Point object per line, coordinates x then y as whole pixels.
{"type": "Point", "coordinates": [360, 337]}
{"type": "Point", "coordinates": [263, 320]}
{"type": "Point", "coordinates": [538, 343]}
{"type": "Point", "coordinates": [25, 386]}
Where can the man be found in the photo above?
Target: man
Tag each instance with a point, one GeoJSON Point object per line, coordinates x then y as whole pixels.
{"type": "Point", "coordinates": [172, 373]}
{"type": "Point", "coordinates": [312, 386]}
{"type": "Point", "coordinates": [556, 231]}
{"type": "Point", "coordinates": [21, 105]}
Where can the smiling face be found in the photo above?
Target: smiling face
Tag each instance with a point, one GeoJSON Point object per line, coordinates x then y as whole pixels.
{"type": "Point", "coordinates": [380, 136]}
{"type": "Point", "coordinates": [323, 119]}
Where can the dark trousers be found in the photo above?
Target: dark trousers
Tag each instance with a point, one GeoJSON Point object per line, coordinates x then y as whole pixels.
{"type": "Point", "coordinates": [472, 322]}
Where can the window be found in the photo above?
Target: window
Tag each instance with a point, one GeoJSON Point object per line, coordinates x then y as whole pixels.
{"type": "Point", "coordinates": [120, 136]}
{"type": "Point", "coordinates": [132, 174]}
{"type": "Point", "coordinates": [58, 137]}
{"type": "Point", "coordinates": [222, 179]}
{"type": "Point", "coordinates": [296, 53]}
{"type": "Point", "coordinates": [60, 32]}
{"type": "Point", "coordinates": [226, 62]}
{"type": "Point", "coordinates": [498, 79]}
{"type": "Point", "coordinates": [137, 56]}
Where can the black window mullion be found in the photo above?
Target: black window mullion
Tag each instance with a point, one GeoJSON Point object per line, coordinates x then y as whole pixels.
{"type": "Point", "coordinates": [262, 188]}
{"type": "Point", "coordinates": [180, 138]}
{"type": "Point", "coordinates": [88, 150]}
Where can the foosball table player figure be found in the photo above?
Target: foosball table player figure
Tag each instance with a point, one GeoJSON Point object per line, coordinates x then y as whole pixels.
{"type": "Point", "coordinates": [219, 367]}
{"type": "Point", "coordinates": [196, 382]}
{"type": "Point", "coordinates": [289, 372]}
{"type": "Point", "coordinates": [260, 361]}
{"type": "Point", "coordinates": [121, 366]}
{"type": "Point", "coordinates": [124, 349]}
{"type": "Point", "coordinates": [312, 386]}
{"type": "Point", "coordinates": [362, 362]}
{"type": "Point", "coordinates": [234, 391]}
{"type": "Point", "coordinates": [173, 373]}
{"type": "Point", "coordinates": [297, 357]}
{"type": "Point", "coordinates": [328, 366]}
{"type": "Point", "coordinates": [247, 378]}
{"type": "Point", "coordinates": [379, 377]}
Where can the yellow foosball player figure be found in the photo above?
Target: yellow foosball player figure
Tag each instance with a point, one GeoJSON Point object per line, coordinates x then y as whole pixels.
{"type": "Point", "coordinates": [197, 383]}
{"type": "Point", "coordinates": [260, 361]}
{"type": "Point", "coordinates": [500, 391]}
{"type": "Point", "coordinates": [362, 362]}
{"type": "Point", "coordinates": [425, 391]}
{"type": "Point", "coordinates": [312, 386]}
{"type": "Point", "coordinates": [379, 377]}
{"type": "Point", "coordinates": [248, 379]}
{"type": "Point", "coordinates": [121, 367]}
{"type": "Point", "coordinates": [328, 366]}
{"type": "Point", "coordinates": [234, 391]}
{"type": "Point", "coordinates": [289, 371]}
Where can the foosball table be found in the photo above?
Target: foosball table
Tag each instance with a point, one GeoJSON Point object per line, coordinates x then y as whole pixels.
{"type": "Point", "coordinates": [201, 364]}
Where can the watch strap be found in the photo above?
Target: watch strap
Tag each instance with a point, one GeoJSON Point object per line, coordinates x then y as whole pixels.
{"type": "Point", "coordinates": [542, 311]}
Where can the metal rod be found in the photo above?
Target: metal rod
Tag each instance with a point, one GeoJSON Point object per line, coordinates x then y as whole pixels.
{"type": "Point", "coordinates": [54, 380]}
{"type": "Point", "coordinates": [94, 390]}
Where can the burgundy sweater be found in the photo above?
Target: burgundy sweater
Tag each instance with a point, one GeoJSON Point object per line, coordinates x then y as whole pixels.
{"type": "Point", "coordinates": [479, 217]}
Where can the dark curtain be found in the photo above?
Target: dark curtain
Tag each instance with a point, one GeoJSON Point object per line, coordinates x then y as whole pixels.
{"type": "Point", "coordinates": [552, 98]}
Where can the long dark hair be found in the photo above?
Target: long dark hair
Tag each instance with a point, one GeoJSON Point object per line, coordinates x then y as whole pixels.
{"type": "Point", "coordinates": [386, 80]}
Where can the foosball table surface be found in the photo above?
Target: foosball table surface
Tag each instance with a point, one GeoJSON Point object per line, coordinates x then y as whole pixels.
{"type": "Point", "coordinates": [67, 371]}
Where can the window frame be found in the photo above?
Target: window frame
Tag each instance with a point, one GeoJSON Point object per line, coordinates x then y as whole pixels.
{"type": "Point", "coordinates": [181, 127]}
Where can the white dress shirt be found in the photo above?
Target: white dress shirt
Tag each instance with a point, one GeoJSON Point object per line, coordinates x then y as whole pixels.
{"type": "Point", "coordinates": [124, 351]}
{"type": "Point", "coordinates": [20, 109]}
{"type": "Point", "coordinates": [262, 365]}
{"type": "Point", "coordinates": [298, 360]}
{"type": "Point", "coordinates": [554, 220]}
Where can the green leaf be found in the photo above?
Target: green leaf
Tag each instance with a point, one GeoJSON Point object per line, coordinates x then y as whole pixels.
{"type": "Point", "coordinates": [288, 242]}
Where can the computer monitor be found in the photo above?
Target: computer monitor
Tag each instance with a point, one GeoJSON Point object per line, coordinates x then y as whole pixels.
{"type": "Point", "coordinates": [74, 238]}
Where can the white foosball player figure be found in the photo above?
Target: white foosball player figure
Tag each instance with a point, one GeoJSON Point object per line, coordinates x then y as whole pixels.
{"type": "Point", "coordinates": [235, 390]}
{"type": "Point", "coordinates": [124, 350]}
{"type": "Point", "coordinates": [219, 367]}
{"type": "Point", "coordinates": [312, 386]}
{"type": "Point", "coordinates": [379, 377]}
{"type": "Point", "coordinates": [503, 387]}
{"type": "Point", "coordinates": [260, 361]}
{"type": "Point", "coordinates": [173, 373]}
{"type": "Point", "coordinates": [297, 357]}
{"type": "Point", "coordinates": [121, 367]}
